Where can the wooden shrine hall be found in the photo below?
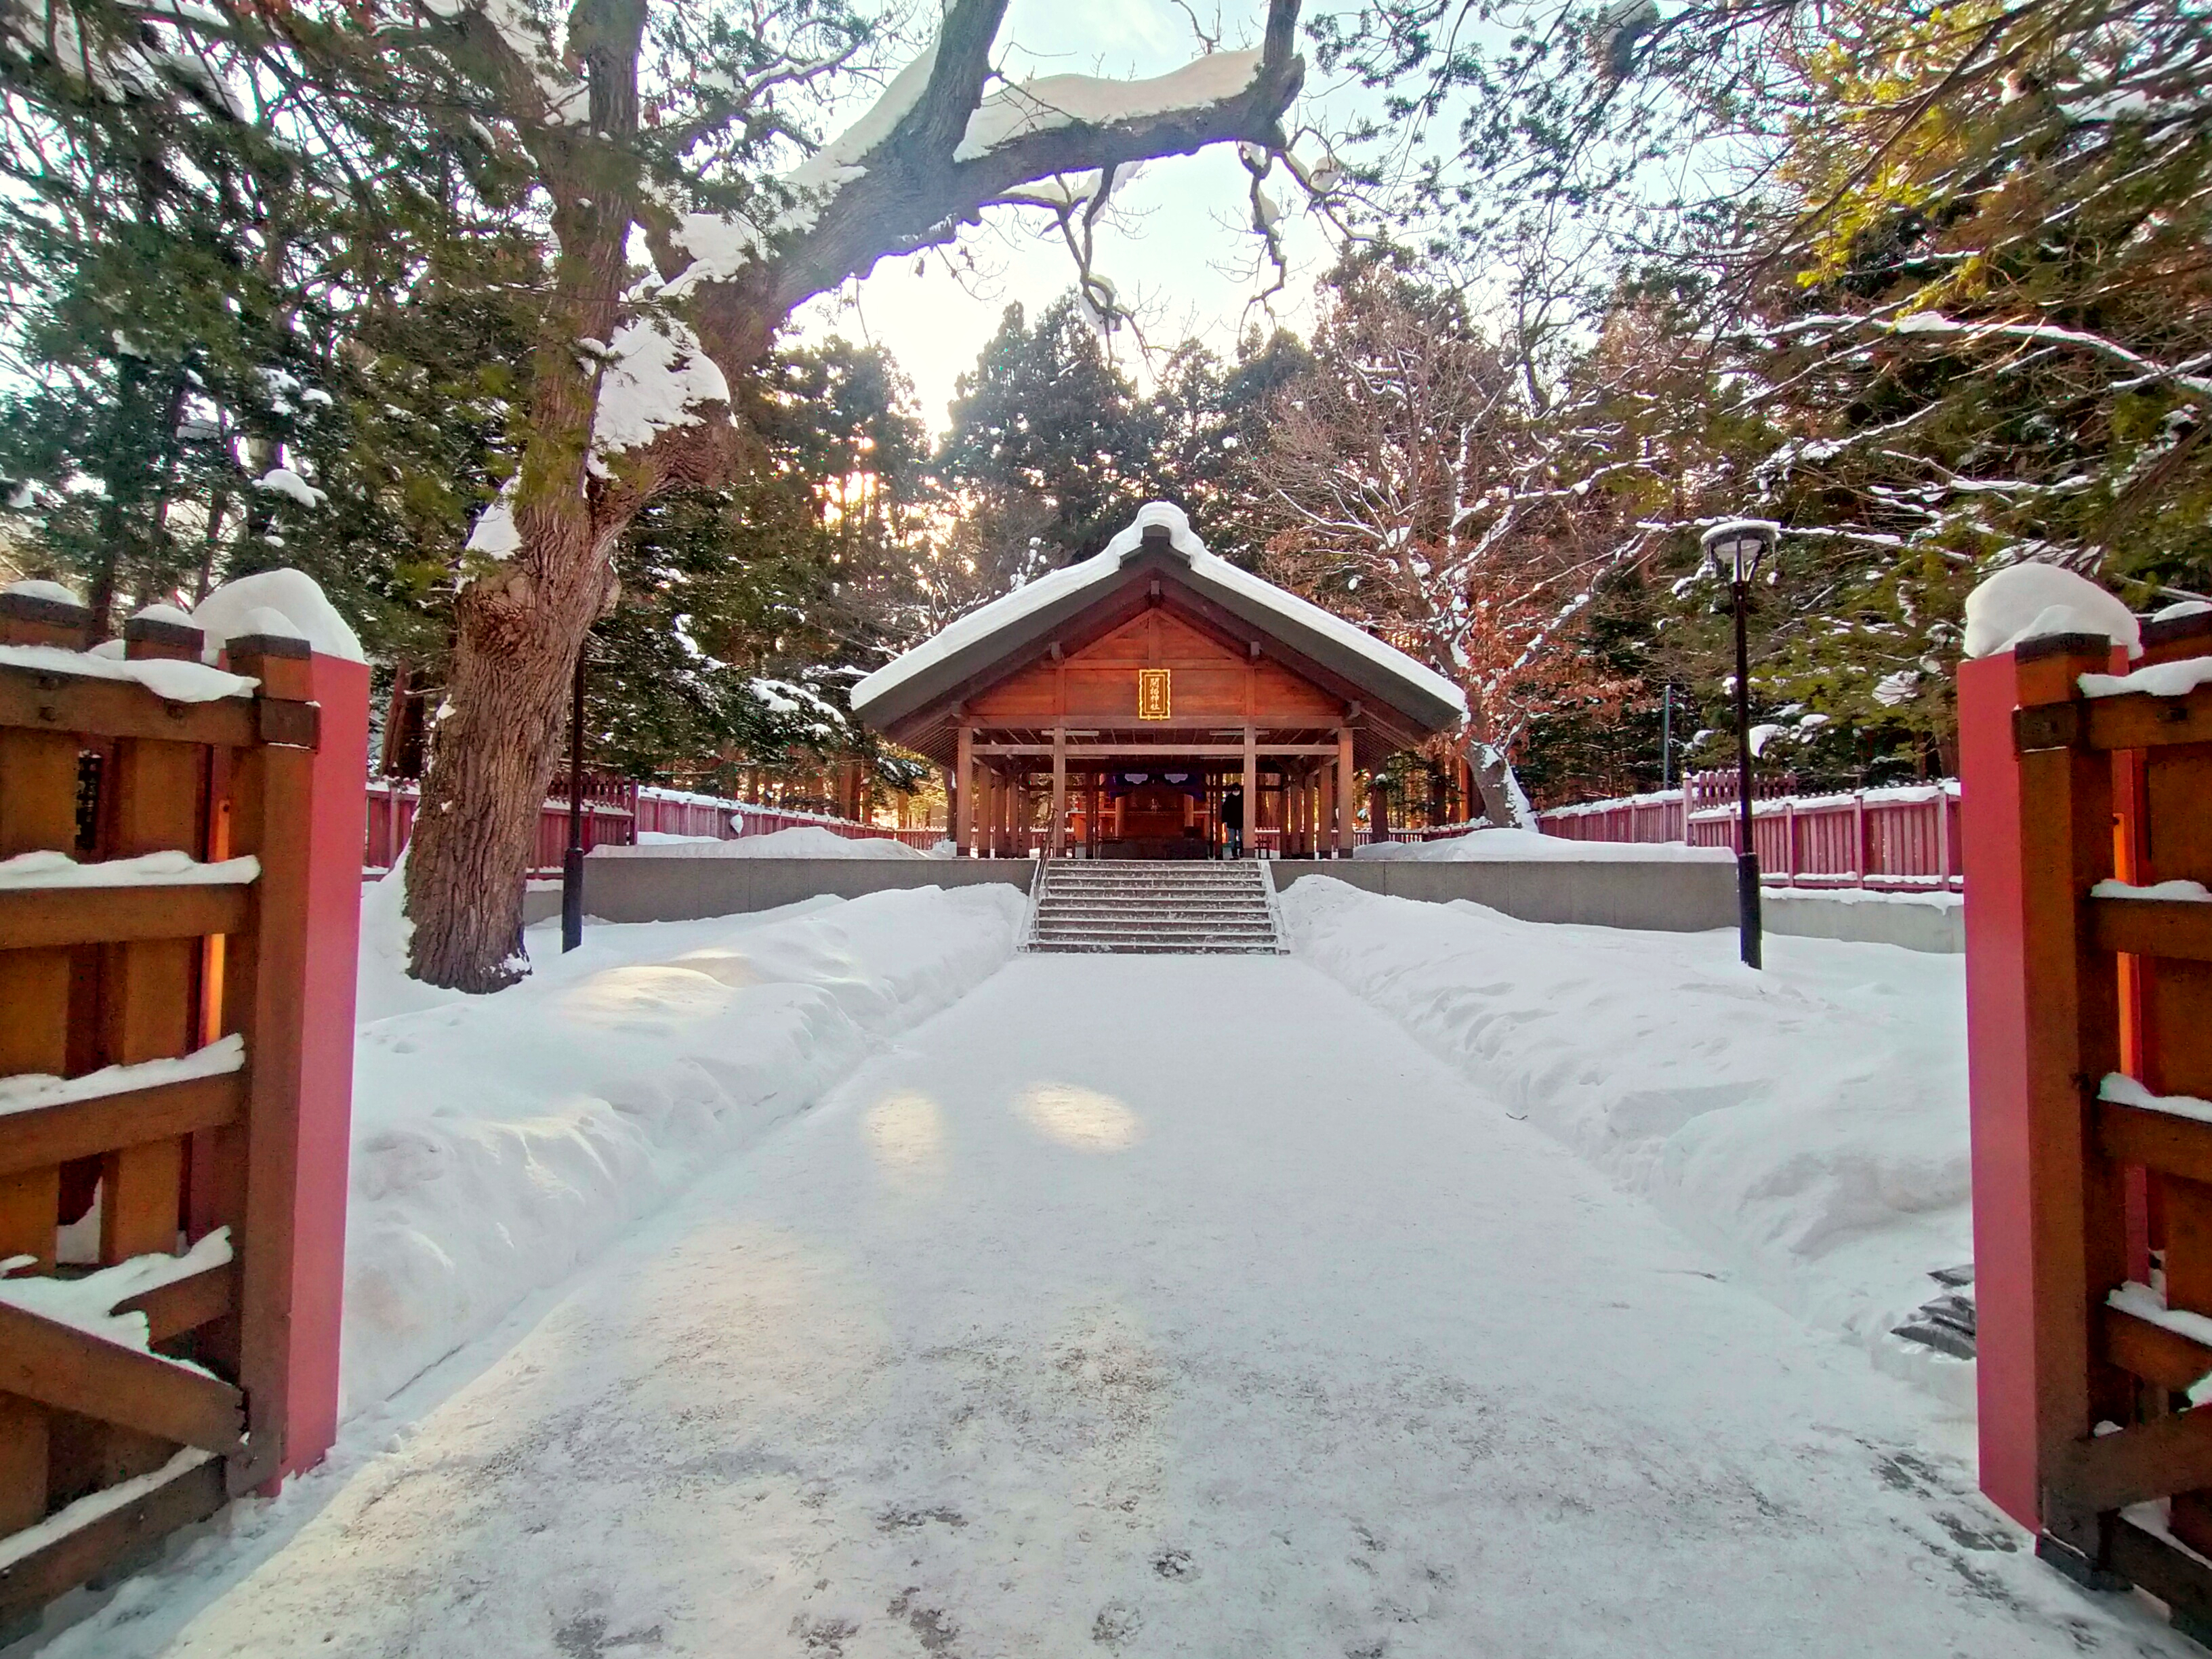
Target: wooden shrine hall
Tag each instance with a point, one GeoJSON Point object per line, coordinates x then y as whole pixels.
{"type": "Point", "coordinates": [1155, 701]}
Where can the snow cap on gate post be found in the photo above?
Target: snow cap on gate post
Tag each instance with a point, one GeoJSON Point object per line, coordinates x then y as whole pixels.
{"type": "Point", "coordinates": [278, 611]}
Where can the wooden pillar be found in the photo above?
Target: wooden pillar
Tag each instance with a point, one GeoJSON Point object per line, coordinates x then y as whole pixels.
{"type": "Point", "coordinates": [146, 986]}
{"type": "Point", "coordinates": [38, 814]}
{"type": "Point", "coordinates": [1251, 786]}
{"type": "Point", "coordinates": [1057, 844]}
{"type": "Point", "coordinates": [1347, 805]}
{"type": "Point", "coordinates": [962, 787]}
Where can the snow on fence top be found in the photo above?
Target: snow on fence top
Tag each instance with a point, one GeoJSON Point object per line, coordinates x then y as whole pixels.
{"type": "Point", "coordinates": [1209, 569]}
{"type": "Point", "coordinates": [2164, 679]}
{"type": "Point", "coordinates": [167, 678]}
{"type": "Point", "coordinates": [171, 869]}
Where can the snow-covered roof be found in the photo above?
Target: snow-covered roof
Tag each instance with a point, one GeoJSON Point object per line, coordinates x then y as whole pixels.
{"type": "Point", "coordinates": [1300, 622]}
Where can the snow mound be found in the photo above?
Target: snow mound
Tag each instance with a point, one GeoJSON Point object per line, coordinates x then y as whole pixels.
{"type": "Point", "coordinates": [230, 611]}
{"type": "Point", "coordinates": [1530, 846]}
{"type": "Point", "coordinates": [500, 1141]}
{"type": "Point", "coordinates": [1810, 1121]}
{"type": "Point", "coordinates": [2032, 601]}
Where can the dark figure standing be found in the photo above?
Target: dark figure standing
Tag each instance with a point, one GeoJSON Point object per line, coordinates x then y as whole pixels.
{"type": "Point", "coordinates": [1232, 821]}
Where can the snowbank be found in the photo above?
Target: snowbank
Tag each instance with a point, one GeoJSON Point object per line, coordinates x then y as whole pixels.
{"type": "Point", "coordinates": [1810, 1121]}
{"type": "Point", "coordinates": [499, 1141]}
{"type": "Point", "coordinates": [805, 842]}
{"type": "Point", "coordinates": [1518, 845]}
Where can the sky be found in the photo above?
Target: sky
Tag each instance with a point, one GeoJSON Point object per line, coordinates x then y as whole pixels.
{"type": "Point", "coordinates": [1180, 253]}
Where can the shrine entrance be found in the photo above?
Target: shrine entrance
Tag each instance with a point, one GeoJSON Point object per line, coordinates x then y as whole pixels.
{"type": "Point", "coordinates": [1143, 702]}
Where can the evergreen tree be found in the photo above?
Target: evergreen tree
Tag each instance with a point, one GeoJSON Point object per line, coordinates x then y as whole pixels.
{"type": "Point", "coordinates": [1047, 448]}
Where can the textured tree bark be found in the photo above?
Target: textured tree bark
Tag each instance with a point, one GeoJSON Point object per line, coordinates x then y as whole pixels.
{"type": "Point", "coordinates": [479, 825]}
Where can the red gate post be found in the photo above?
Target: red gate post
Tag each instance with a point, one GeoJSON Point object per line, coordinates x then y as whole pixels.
{"type": "Point", "coordinates": [2019, 1018]}
{"type": "Point", "coordinates": [311, 1050]}
{"type": "Point", "coordinates": [333, 926]}
{"type": "Point", "coordinates": [1997, 1047]}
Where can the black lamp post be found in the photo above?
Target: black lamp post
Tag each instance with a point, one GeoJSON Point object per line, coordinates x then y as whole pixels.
{"type": "Point", "coordinates": [572, 862]}
{"type": "Point", "coordinates": [1734, 550]}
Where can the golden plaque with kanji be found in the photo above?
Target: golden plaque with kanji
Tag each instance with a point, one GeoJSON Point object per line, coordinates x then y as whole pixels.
{"type": "Point", "coordinates": [1152, 701]}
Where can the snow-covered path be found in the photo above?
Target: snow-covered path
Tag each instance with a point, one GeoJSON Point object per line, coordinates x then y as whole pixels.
{"type": "Point", "coordinates": [1162, 1306]}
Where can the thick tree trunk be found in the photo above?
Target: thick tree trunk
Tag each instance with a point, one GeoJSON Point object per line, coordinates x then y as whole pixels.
{"type": "Point", "coordinates": [493, 759]}
{"type": "Point", "coordinates": [473, 840]}
{"type": "Point", "coordinates": [1501, 805]}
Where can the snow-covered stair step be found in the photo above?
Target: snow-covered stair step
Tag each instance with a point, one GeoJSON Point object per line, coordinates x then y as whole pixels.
{"type": "Point", "coordinates": [1180, 907]}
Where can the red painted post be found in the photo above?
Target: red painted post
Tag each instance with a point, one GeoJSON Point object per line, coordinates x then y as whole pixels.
{"type": "Point", "coordinates": [1997, 1062]}
{"type": "Point", "coordinates": [1942, 837]}
{"type": "Point", "coordinates": [325, 1059]}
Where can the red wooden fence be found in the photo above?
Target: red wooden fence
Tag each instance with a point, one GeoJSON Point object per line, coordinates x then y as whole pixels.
{"type": "Point", "coordinates": [1896, 839]}
{"type": "Point", "coordinates": [179, 919]}
{"type": "Point", "coordinates": [614, 813]}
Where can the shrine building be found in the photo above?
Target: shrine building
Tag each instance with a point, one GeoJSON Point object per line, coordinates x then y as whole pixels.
{"type": "Point", "coordinates": [1124, 705]}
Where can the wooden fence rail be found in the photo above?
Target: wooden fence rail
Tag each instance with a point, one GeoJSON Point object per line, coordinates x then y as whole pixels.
{"type": "Point", "coordinates": [166, 1079]}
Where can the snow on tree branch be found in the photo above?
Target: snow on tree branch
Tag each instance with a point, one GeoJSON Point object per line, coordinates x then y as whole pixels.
{"type": "Point", "coordinates": [1064, 100]}
{"type": "Point", "coordinates": [1918, 323]}
{"type": "Point", "coordinates": [657, 376]}
{"type": "Point", "coordinates": [934, 151]}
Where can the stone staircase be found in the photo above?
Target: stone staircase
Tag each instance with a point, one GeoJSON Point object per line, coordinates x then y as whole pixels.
{"type": "Point", "coordinates": [1186, 907]}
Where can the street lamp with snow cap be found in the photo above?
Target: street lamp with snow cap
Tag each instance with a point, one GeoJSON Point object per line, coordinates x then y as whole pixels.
{"type": "Point", "coordinates": [1734, 551]}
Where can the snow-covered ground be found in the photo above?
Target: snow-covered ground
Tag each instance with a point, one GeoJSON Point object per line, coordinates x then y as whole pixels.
{"type": "Point", "coordinates": [1809, 1122]}
{"type": "Point", "coordinates": [500, 1141]}
{"type": "Point", "coordinates": [1153, 1306]}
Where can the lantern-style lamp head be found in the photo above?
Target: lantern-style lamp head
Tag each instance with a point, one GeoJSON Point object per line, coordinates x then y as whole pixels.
{"type": "Point", "coordinates": [1734, 551]}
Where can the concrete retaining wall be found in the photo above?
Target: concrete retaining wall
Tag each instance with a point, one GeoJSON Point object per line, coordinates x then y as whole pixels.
{"type": "Point", "coordinates": [662, 885]}
{"type": "Point", "coordinates": [654, 884]}
{"type": "Point", "coordinates": [1670, 895]}
{"type": "Point", "coordinates": [1917, 923]}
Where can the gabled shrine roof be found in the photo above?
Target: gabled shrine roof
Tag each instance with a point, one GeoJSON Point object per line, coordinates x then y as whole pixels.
{"type": "Point", "coordinates": [1020, 621]}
